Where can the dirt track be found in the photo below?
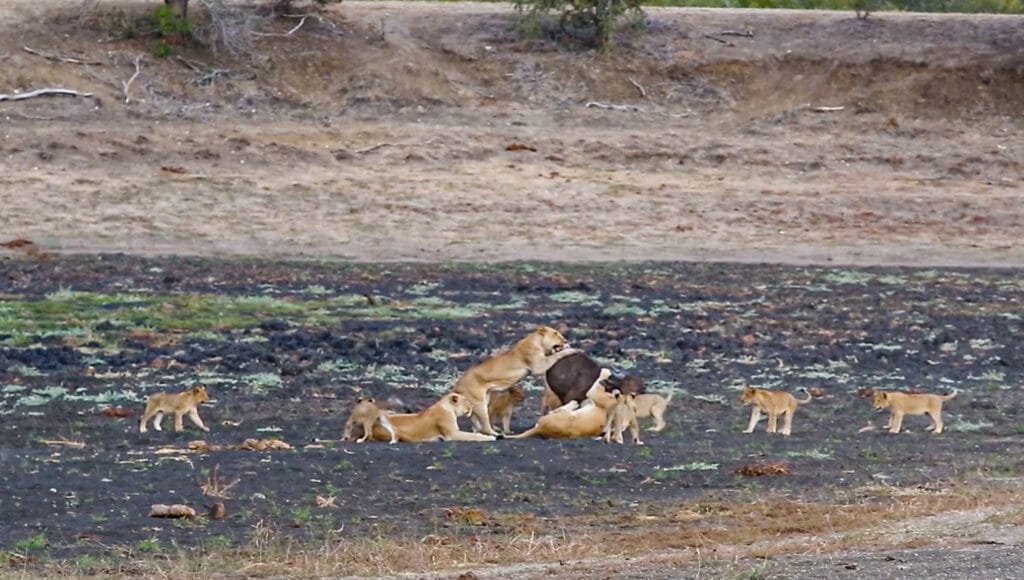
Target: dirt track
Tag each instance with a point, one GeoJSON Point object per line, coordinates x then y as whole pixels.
{"type": "Point", "coordinates": [372, 143]}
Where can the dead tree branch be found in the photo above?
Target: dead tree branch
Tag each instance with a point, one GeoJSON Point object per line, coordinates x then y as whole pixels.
{"type": "Point", "coordinates": [743, 33]}
{"type": "Point", "coordinates": [59, 58]}
{"type": "Point", "coordinates": [42, 93]}
{"type": "Point", "coordinates": [639, 87]}
{"type": "Point", "coordinates": [128, 84]}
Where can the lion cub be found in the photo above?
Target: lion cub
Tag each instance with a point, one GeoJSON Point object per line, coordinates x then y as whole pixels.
{"type": "Point", "coordinates": [178, 403]}
{"type": "Point", "coordinates": [365, 414]}
{"type": "Point", "coordinates": [500, 405]}
{"type": "Point", "coordinates": [621, 415]}
{"type": "Point", "coordinates": [774, 403]}
{"type": "Point", "coordinates": [651, 405]}
{"type": "Point", "coordinates": [900, 404]}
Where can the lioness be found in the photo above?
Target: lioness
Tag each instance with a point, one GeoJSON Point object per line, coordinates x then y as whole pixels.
{"type": "Point", "coordinates": [573, 420]}
{"type": "Point", "coordinates": [178, 403]}
{"type": "Point", "coordinates": [651, 405]}
{"type": "Point", "coordinates": [620, 416]}
{"type": "Point", "coordinates": [900, 404]}
{"type": "Point", "coordinates": [366, 414]}
{"type": "Point", "coordinates": [500, 405]}
{"type": "Point", "coordinates": [533, 354]}
{"type": "Point", "coordinates": [774, 403]}
{"type": "Point", "coordinates": [438, 422]}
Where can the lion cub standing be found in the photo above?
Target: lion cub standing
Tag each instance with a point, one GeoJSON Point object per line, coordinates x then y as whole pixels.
{"type": "Point", "coordinates": [620, 416]}
{"type": "Point", "coordinates": [774, 403]}
{"type": "Point", "coordinates": [652, 405]}
{"type": "Point", "coordinates": [900, 404]}
{"type": "Point", "coordinates": [178, 403]}
{"type": "Point", "coordinates": [365, 414]}
{"type": "Point", "coordinates": [500, 405]}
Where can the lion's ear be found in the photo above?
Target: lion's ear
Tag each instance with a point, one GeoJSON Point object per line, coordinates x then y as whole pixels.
{"type": "Point", "coordinates": [370, 400]}
{"type": "Point", "coordinates": [360, 400]}
{"type": "Point", "coordinates": [455, 399]}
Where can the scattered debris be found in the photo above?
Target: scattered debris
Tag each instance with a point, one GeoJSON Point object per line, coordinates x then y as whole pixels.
{"type": "Point", "coordinates": [763, 468]}
{"type": "Point", "coordinates": [627, 108]}
{"type": "Point", "coordinates": [216, 511]}
{"type": "Point", "coordinates": [62, 442]}
{"type": "Point", "coordinates": [159, 510]}
{"type": "Point", "coordinates": [474, 516]}
{"type": "Point", "coordinates": [325, 502]}
{"type": "Point", "coordinates": [116, 412]}
{"type": "Point", "coordinates": [865, 392]}
{"type": "Point", "coordinates": [520, 147]}
{"type": "Point", "coordinates": [217, 486]}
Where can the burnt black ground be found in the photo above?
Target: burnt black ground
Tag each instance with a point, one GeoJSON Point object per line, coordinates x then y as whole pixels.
{"type": "Point", "coordinates": [701, 329]}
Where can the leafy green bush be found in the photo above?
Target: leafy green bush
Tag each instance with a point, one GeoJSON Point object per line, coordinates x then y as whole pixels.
{"type": "Point", "coordinates": [580, 17]}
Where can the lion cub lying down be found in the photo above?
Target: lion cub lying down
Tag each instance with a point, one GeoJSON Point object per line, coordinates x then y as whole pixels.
{"type": "Point", "coordinates": [900, 404]}
{"type": "Point", "coordinates": [774, 403]}
{"type": "Point", "coordinates": [366, 414]}
{"type": "Point", "coordinates": [438, 422]}
{"type": "Point", "coordinates": [572, 420]}
{"type": "Point", "coordinates": [180, 404]}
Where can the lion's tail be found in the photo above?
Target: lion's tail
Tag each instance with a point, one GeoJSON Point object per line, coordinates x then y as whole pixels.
{"type": "Point", "coordinates": [950, 396]}
{"type": "Point", "coordinates": [528, 433]}
{"type": "Point", "coordinates": [808, 393]}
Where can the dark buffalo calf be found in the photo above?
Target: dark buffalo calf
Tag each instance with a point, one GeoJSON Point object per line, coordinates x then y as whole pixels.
{"type": "Point", "coordinates": [571, 378]}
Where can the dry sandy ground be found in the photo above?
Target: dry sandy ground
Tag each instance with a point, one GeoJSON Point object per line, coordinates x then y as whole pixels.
{"type": "Point", "coordinates": [382, 132]}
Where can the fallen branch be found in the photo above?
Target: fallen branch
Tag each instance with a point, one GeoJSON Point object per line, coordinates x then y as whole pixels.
{"type": "Point", "coordinates": [127, 84]}
{"type": "Point", "coordinates": [639, 87]}
{"type": "Point", "coordinates": [289, 33]}
{"type": "Point", "coordinates": [65, 443]}
{"type": "Point", "coordinates": [42, 93]}
{"type": "Point", "coordinates": [613, 107]}
{"type": "Point", "coordinates": [716, 39]}
{"type": "Point", "coordinates": [372, 148]}
{"type": "Point", "coordinates": [60, 58]}
{"type": "Point", "coordinates": [743, 33]}
{"type": "Point", "coordinates": [827, 109]}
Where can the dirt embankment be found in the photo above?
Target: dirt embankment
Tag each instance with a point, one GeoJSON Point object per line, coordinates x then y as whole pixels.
{"type": "Point", "coordinates": [417, 131]}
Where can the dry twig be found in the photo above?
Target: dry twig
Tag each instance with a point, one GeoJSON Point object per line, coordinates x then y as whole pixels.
{"type": "Point", "coordinates": [59, 58]}
{"type": "Point", "coordinates": [639, 87]}
{"type": "Point", "coordinates": [127, 84]}
{"type": "Point", "coordinates": [43, 93]}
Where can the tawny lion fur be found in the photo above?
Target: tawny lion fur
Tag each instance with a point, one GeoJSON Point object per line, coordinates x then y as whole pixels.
{"type": "Point", "coordinates": [365, 414]}
{"type": "Point", "coordinates": [572, 420]}
{"type": "Point", "coordinates": [181, 404]}
{"type": "Point", "coordinates": [622, 415]}
{"type": "Point", "coordinates": [900, 404]}
{"type": "Point", "coordinates": [501, 404]}
{"type": "Point", "coordinates": [535, 354]}
{"type": "Point", "coordinates": [652, 405]}
{"type": "Point", "coordinates": [774, 403]}
{"type": "Point", "coordinates": [438, 422]}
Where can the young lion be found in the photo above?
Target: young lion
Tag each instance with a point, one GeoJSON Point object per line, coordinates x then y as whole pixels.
{"type": "Point", "coordinates": [500, 405]}
{"type": "Point", "coordinates": [901, 404]}
{"type": "Point", "coordinates": [533, 354]}
{"type": "Point", "coordinates": [774, 403]}
{"type": "Point", "coordinates": [178, 403]}
{"type": "Point", "coordinates": [651, 405]}
{"type": "Point", "coordinates": [438, 422]}
{"type": "Point", "coordinates": [572, 420]}
{"type": "Point", "coordinates": [620, 416]}
{"type": "Point", "coordinates": [366, 414]}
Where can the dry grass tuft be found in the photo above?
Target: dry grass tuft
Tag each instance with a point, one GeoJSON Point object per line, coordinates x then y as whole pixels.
{"type": "Point", "coordinates": [217, 486]}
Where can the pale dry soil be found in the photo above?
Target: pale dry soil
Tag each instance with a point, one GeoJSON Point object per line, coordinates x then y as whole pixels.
{"type": "Point", "coordinates": [433, 132]}
{"type": "Point", "coordinates": [381, 133]}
